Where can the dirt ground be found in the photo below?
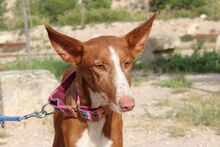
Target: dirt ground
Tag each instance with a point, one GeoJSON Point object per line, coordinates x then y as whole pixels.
{"type": "Point", "coordinates": [140, 127]}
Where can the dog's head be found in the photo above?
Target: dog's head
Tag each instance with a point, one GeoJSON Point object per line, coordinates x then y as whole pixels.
{"type": "Point", "coordinates": [105, 62]}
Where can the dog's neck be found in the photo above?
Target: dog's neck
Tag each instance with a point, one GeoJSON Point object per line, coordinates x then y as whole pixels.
{"type": "Point", "coordinates": [94, 132]}
{"type": "Point", "coordinates": [87, 96]}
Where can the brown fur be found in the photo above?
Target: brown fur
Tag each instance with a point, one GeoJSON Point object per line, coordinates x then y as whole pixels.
{"type": "Point", "coordinates": [95, 70]}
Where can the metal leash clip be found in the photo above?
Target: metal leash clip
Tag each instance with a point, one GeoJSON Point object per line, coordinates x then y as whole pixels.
{"type": "Point", "coordinates": [36, 114]}
{"type": "Point", "coordinates": [40, 114]}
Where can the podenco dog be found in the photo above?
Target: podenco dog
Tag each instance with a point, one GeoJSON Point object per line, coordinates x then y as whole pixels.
{"type": "Point", "coordinates": [103, 66]}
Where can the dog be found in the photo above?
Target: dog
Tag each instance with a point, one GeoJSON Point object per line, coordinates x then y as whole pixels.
{"type": "Point", "coordinates": [102, 82]}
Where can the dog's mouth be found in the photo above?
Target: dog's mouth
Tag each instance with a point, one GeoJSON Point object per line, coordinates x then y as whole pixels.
{"type": "Point", "coordinates": [116, 108]}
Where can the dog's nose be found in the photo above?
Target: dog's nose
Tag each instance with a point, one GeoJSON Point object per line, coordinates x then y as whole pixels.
{"type": "Point", "coordinates": [126, 103]}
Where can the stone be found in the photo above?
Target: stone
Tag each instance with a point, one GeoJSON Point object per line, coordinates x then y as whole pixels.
{"type": "Point", "coordinates": [192, 28]}
{"type": "Point", "coordinates": [203, 16]}
{"type": "Point", "coordinates": [24, 92]}
{"type": "Point", "coordinates": [130, 4]}
{"type": "Point", "coordinates": [159, 45]}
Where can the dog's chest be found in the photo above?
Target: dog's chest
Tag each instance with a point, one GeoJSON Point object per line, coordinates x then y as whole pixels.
{"type": "Point", "coordinates": [93, 136]}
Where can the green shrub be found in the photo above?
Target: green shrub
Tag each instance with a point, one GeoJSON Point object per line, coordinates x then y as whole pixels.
{"type": "Point", "coordinates": [140, 65]}
{"type": "Point", "coordinates": [52, 8]}
{"type": "Point", "coordinates": [38, 20]}
{"type": "Point", "coordinates": [55, 66]}
{"type": "Point", "coordinates": [197, 62]}
{"type": "Point", "coordinates": [137, 80]}
{"type": "Point", "coordinates": [2, 10]}
{"type": "Point", "coordinates": [186, 4]}
{"type": "Point", "coordinates": [94, 4]}
{"type": "Point", "coordinates": [183, 13]}
{"type": "Point", "coordinates": [177, 81]}
{"type": "Point", "coordinates": [64, 12]}
{"type": "Point", "coordinates": [185, 8]}
{"type": "Point", "coordinates": [156, 5]}
{"type": "Point", "coordinates": [186, 38]}
{"type": "Point", "coordinates": [200, 112]}
{"type": "Point", "coordinates": [103, 15]}
{"type": "Point", "coordinates": [198, 44]}
{"type": "Point", "coordinates": [73, 17]}
{"type": "Point", "coordinates": [176, 4]}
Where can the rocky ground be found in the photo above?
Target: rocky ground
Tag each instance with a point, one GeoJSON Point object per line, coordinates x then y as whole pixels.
{"type": "Point", "coordinates": [145, 126]}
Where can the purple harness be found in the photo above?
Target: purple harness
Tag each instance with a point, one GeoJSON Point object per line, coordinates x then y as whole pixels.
{"type": "Point", "coordinates": [56, 100]}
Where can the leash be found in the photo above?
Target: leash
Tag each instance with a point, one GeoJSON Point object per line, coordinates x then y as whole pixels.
{"type": "Point", "coordinates": [37, 114]}
{"type": "Point", "coordinates": [56, 101]}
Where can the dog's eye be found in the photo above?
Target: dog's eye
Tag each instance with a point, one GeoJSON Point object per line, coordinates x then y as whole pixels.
{"type": "Point", "coordinates": [127, 63]}
{"type": "Point", "coordinates": [100, 66]}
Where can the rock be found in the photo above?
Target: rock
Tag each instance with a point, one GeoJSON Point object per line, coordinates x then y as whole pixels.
{"type": "Point", "coordinates": [130, 4]}
{"type": "Point", "coordinates": [6, 36]}
{"type": "Point", "coordinates": [203, 16]}
{"type": "Point", "coordinates": [23, 92]}
{"type": "Point", "coordinates": [218, 43]}
{"type": "Point", "coordinates": [157, 46]}
{"type": "Point", "coordinates": [192, 28]}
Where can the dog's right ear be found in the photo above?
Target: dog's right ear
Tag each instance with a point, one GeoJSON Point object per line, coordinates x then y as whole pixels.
{"type": "Point", "coordinates": [69, 49]}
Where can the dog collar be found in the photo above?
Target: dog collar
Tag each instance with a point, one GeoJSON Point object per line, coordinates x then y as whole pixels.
{"type": "Point", "coordinates": [56, 100]}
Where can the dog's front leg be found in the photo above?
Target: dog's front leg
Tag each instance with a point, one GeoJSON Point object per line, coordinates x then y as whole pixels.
{"type": "Point", "coordinates": [113, 129]}
{"type": "Point", "coordinates": [72, 131]}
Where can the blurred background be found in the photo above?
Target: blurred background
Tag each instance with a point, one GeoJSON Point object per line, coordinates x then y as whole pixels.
{"type": "Point", "coordinates": [183, 26]}
{"type": "Point", "coordinates": [181, 60]}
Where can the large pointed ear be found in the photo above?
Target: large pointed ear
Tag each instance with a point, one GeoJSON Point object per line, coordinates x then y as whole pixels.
{"type": "Point", "coordinates": [69, 49]}
{"type": "Point", "coordinates": [138, 37]}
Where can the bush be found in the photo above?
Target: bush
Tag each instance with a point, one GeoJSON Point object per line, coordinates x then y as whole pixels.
{"type": "Point", "coordinates": [185, 8]}
{"type": "Point", "coordinates": [177, 81]}
{"type": "Point", "coordinates": [39, 20]}
{"type": "Point", "coordinates": [55, 66]}
{"type": "Point", "coordinates": [52, 8]}
{"type": "Point", "coordinates": [198, 111]}
{"type": "Point", "coordinates": [196, 63]}
{"type": "Point", "coordinates": [156, 5]}
{"type": "Point", "coordinates": [2, 10]}
{"type": "Point", "coordinates": [73, 17]}
{"type": "Point", "coordinates": [186, 38]}
{"type": "Point", "coordinates": [95, 4]}
{"type": "Point", "coordinates": [176, 4]}
{"type": "Point", "coordinates": [66, 13]}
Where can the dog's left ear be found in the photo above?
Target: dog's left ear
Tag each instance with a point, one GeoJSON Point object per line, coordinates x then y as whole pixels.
{"type": "Point", "coordinates": [138, 37]}
{"type": "Point", "coordinates": [69, 49]}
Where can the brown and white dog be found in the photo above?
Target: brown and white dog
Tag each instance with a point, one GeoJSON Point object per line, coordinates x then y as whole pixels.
{"type": "Point", "coordinates": [103, 67]}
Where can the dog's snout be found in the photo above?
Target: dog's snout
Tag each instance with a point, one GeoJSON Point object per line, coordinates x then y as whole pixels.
{"type": "Point", "coordinates": [126, 103]}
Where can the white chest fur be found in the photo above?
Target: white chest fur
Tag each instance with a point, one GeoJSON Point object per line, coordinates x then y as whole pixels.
{"type": "Point", "coordinates": [93, 136]}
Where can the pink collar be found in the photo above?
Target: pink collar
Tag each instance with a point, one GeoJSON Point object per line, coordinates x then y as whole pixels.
{"type": "Point", "coordinates": [56, 100]}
